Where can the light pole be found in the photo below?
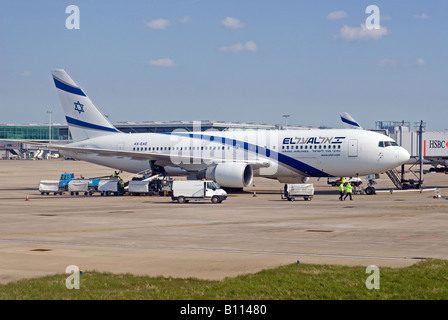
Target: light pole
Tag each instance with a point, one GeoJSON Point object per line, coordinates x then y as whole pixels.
{"type": "Point", "coordinates": [49, 126]}
{"type": "Point", "coordinates": [286, 116]}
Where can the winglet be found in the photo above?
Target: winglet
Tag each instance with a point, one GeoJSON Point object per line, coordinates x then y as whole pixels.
{"type": "Point", "coordinates": [349, 122]}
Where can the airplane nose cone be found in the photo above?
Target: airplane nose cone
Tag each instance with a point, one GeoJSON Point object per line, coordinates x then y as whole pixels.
{"type": "Point", "coordinates": [403, 155]}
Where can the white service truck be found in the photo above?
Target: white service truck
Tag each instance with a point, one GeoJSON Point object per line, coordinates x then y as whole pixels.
{"type": "Point", "coordinates": [336, 181]}
{"type": "Point", "coordinates": [183, 191]}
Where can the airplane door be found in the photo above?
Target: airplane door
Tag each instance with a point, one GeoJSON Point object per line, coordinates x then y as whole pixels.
{"type": "Point", "coordinates": [353, 148]}
{"type": "Point", "coordinates": [120, 146]}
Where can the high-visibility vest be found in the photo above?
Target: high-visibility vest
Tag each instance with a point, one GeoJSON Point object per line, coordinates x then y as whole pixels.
{"type": "Point", "coordinates": [348, 189]}
{"type": "Point", "coordinates": [341, 187]}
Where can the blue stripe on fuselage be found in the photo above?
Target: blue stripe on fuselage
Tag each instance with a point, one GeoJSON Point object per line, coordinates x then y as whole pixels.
{"type": "Point", "coordinates": [281, 158]}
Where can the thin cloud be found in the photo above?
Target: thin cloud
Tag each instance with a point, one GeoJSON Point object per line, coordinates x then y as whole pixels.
{"type": "Point", "coordinates": [392, 63]}
{"type": "Point", "coordinates": [158, 24]}
{"type": "Point", "coordinates": [26, 73]}
{"type": "Point", "coordinates": [337, 15]}
{"type": "Point", "coordinates": [185, 19]}
{"type": "Point", "coordinates": [239, 47]}
{"type": "Point", "coordinates": [348, 33]}
{"type": "Point", "coordinates": [422, 16]}
{"type": "Point", "coordinates": [421, 62]}
{"type": "Point", "coordinates": [387, 63]}
{"type": "Point", "coordinates": [163, 62]}
{"type": "Point", "coordinates": [232, 23]}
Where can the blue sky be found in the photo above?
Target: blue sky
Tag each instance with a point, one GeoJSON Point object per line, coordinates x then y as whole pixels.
{"type": "Point", "coordinates": [246, 60]}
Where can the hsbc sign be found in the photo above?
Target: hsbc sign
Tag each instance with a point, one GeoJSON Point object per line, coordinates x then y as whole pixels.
{"type": "Point", "coordinates": [437, 144]}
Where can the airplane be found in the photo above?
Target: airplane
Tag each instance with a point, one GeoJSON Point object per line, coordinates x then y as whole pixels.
{"type": "Point", "coordinates": [230, 158]}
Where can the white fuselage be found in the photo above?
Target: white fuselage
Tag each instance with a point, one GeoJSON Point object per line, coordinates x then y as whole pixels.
{"type": "Point", "coordinates": [291, 154]}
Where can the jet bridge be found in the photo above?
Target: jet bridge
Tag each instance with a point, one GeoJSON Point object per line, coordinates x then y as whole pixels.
{"type": "Point", "coordinates": [424, 148]}
{"type": "Point", "coordinates": [434, 146]}
{"type": "Point", "coordinates": [12, 150]}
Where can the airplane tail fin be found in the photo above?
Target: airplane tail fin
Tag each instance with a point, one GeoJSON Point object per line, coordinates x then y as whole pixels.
{"type": "Point", "coordinates": [349, 122]}
{"type": "Point", "coordinates": [85, 121]}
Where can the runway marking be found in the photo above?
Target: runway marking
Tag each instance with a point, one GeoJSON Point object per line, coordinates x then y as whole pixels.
{"type": "Point", "coordinates": [123, 246]}
{"type": "Point", "coordinates": [205, 224]}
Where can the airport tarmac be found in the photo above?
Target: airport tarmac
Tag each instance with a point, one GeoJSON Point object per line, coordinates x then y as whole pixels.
{"type": "Point", "coordinates": [156, 237]}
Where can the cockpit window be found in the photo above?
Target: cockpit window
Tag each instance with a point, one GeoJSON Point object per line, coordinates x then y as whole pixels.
{"type": "Point", "coordinates": [384, 144]}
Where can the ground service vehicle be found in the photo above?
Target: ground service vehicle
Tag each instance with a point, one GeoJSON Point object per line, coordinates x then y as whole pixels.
{"type": "Point", "coordinates": [79, 186]}
{"type": "Point", "coordinates": [336, 181]}
{"type": "Point", "coordinates": [67, 177]}
{"type": "Point", "coordinates": [186, 190]}
{"type": "Point", "coordinates": [111, 187]}
{"type": "Point", "coordinates": [139, 188]}
{"type": "Point", "coordinates": [293, 191]}
{"type": "Point", "coordinates": [50, 186]}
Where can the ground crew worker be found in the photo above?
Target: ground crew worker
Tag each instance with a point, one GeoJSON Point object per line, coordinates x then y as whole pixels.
{"type": "Point", "coordinates": [348, 191]}
{"type": "Point", "coordinates": [341, 191]}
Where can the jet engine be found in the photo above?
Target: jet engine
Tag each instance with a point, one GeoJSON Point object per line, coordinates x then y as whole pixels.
{"type": "Point", "coordinates": [232, 175]}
